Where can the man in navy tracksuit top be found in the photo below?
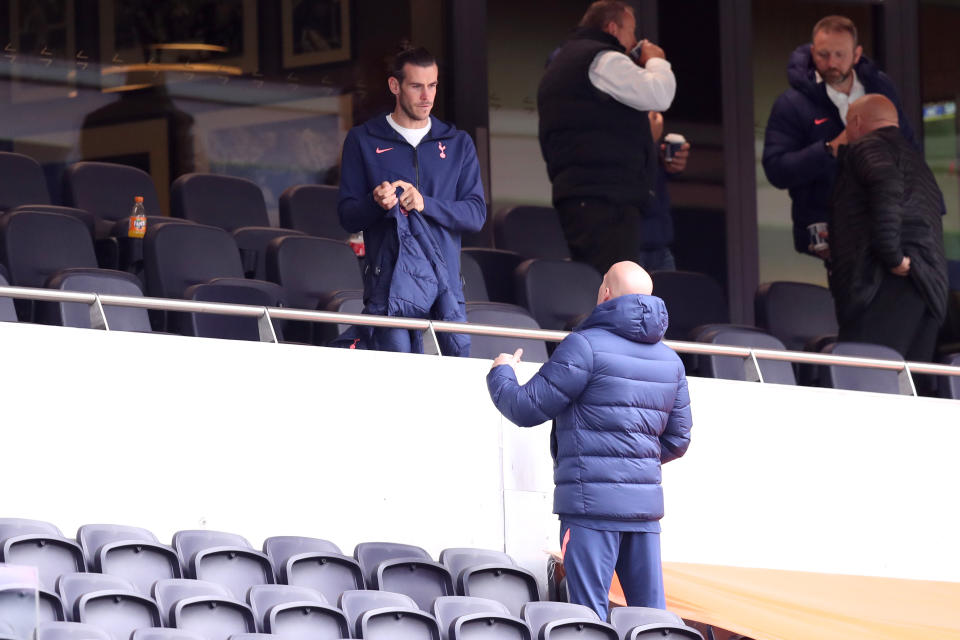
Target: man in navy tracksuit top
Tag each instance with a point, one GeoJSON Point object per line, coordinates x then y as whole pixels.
{"type": "Point", "coordinates": [621, 408]}
{"type": "Point", "coordinates": [808, 121]}
{"type": "Point", "coordinates": [411, 184]}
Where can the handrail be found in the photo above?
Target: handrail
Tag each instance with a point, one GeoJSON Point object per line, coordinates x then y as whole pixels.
{"type": "Point", "coordinates": [267, 314]}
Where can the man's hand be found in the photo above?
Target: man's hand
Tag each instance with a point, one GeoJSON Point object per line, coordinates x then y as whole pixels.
{"type": "Point", "coordinates": [385, 195]}
{"type": "Point", "coordinates": [679, 161]}
{"type": "Point", "coordinates": [903, 268]}
{"type": "Point", "coordinates": [410, 199]}
{"type": "Point", "coordinates": [649, 50]}
{"type": "Point", "coordinates": [837, 142]}
{"type": "Point", "coordinates": [506, 358]}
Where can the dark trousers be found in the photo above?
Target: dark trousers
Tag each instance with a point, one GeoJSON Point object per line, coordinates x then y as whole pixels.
{"type": "Point", "coordinates": [590, 557]}
{"type": "Point", "coordinates": [599, 232]}
{"type": "Point", "coordinates": [897, 317]}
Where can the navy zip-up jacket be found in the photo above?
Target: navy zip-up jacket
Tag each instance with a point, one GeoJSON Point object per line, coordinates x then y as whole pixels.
{"type": "Point", "coordinates": [445, 170]}
{"type": "Point", "coordinates": [620, 400]}
{"type": "Point", "coordinates": [802, 119]}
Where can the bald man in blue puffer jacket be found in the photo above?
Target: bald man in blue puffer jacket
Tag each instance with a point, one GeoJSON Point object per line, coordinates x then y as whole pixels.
{"type": "Point", "coordinates": [621, 408]}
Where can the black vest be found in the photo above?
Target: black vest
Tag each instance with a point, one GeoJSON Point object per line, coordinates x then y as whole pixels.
{"type": "Point", "coordinates": [594, 146]}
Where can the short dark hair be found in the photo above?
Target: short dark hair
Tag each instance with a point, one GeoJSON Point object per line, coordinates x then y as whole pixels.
{"type": "Point", "coordinates": [835, 24]}
{"type": "Point", "coordinates": [417, 56]}
{"type": "Point", "coordinates": [603, 12]}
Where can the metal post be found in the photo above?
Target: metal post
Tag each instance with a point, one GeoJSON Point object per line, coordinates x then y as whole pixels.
{"type": "Point", "coordinates": [905, 379]}
{"type": "Point", "coordinates": [265, 326]}
{"type": "Point", "coordinates": [98, 317]}
{"type": "Point", "coordinates": [431, 345]}
{"type": "Point", "coordinates": [751, 368]}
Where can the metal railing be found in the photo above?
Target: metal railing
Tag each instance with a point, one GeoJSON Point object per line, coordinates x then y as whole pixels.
{"type": "Point", "coordinates": [266, 315]}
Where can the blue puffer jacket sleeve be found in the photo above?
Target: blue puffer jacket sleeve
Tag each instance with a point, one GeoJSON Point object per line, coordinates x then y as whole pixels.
{"type": "Point", "coordinates": [558, 383]}
{"type": "Point", "coordinates": [676, 437]}
{"type": "Point", "coordinates": [790, 158]}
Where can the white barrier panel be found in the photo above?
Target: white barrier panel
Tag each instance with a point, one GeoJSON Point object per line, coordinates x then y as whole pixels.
{"type": "Point", "coordinates": [170, 433]}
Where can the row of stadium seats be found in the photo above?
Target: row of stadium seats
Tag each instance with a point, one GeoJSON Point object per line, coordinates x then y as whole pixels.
{"type": "Point", "coordinates": [217, 586]}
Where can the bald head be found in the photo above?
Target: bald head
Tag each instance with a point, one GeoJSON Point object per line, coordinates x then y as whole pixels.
{"type": "Point", "coordinates": [622, 279]}
{"type": "Point", "coordinates": [869, 113]}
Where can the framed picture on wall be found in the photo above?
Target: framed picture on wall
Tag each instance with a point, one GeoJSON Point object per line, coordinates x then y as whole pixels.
{"type": "Point", "coordinates": [314, 31]}
{"type": "Point", "coordinates": [41, 49]}
{"type": "Point", "coordinates": [211, 32]}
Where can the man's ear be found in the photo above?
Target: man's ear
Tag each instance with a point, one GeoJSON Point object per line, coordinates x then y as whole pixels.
{"type": "Point", "coordinates": [857, 53]}
{"type": "Point", "coordinates": [394, 85]}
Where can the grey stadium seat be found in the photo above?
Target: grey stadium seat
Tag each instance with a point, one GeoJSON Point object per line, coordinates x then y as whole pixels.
{"type": "Point", "coordinates": [205, 608]}
{"type": "Point", "coordinates": [477, 619]}
{"type": "Point", "coordinates": [101, 281]}
{"type": "Point", "coordinates": [132, 553]}
{"type": "Point", "coordinates": [491, 574]}
{"type": "Point", "coordinates": [501, 314]}
{"type": "Point", "coordinates": [557, 293]}
{"type": "Point", "coordinates": [533, 232]}
{"type": "Point", "coordinates": [382, 615]}
{"type": "Point", "coordinates": [296, 613]}
{"type": "Point", "coordinates": [645, 623]}
{"type": "Point", "coordinates": [552, 620]}
{"type": "Point", "coordinates": [224, 558]}
{"type": "Point", "coordinates": [732, 367]}
{"type": "Point", "coordinates": [108, 602]}
{"type": "Point", "coordinates": [42, 545]}
{"type": "Point", "coordinates": [70, 631]}
{"type": "Point", "coordinates": [314, 563]}
{"type": "Point", "coordinates": [860, 378]}
{"type": "Point", "coordinates": [312, 209]}
{"type": "Point", "coordinates": [404, 568]}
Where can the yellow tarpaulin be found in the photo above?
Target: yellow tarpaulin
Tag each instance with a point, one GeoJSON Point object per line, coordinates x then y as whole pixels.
{"type": "Point", "coordinates": [769, 604]}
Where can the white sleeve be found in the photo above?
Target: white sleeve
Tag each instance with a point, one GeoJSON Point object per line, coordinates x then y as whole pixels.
{"type": "Point", "coordinates": [649, 88]}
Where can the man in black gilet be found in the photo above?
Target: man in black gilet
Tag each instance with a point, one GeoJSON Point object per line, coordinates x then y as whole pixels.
{"type": "Point", "coordinates": [595, 133]}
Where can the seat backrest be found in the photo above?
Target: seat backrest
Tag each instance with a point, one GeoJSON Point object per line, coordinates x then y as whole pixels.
{"type": "Point", "coordinates": [227, 202]}
{"type": "Point", "coordinates": [70, 631]}
{"type": "Point", "coordinates": [732, 367]}
{"type": "Point", "coordinates": [168, 592]}
{"type": "Point", "coordinates": [626, 618]}
{"type": "Point", "coordinates": [538, 614]}
{"type": "Point", "coordinates": [108, 190]}
{"type": "Point", "coordinates": [8, 312]}
{"type": "Point", "coordinates": [692, 299]}
{"type": "Point", "coordinates": [41, 545]}
{"type": "Point", "coordinates": [357, 602]}
{"type": "Point", "coordinates": [312, 208]}
{"type": "Point", "coordinates": [36, 244]}
{"type": "Point", "coordinates": [71, 586]}
{"type": "Point", "coordinates": [102, 281]}
{"type": "Point", "coordinates": [497, 267]}
{"type": "Point", "coordinates": [253, 242]}
{"type": "Point", "coordinates": [474, 287]}
{"type": "Point", "coordinates": [132, 553]}
{"type": "Point", "coordinates": [23, 606]}
{"type": "Point", "coordinates": [501, 314]}
{"type": "Point", "coordinates": [314, 563]}
{"type": "Point", "coordinates": [533, 232]}
{"type": "Point", "coordinates": [862, 378]}
{"type": "Point", "coordinates": [177, 256]}
{"type": "Point", "coordinates": [256, 293]}
{"type": "Point", "coordinates": [262, 598]}
{"type": "Point", "coordinates": [556, 292]}
{"type": "Point", "coordinates": [371, 554]}
{"type": "Point", "coordinates": [447, 609]}
{"type": "Point", "coordinates": [310, 269]}
{"type": "Point", "coordinates": [157, 633]}
{"type": "Point", "coordinates": [224, 558]}
{"type": "Point", "coordinates": [23, 181]}
{"type": "Point", "coordinates": [794, 312]}
{"type": "Point", "coordinates": [459, 558]}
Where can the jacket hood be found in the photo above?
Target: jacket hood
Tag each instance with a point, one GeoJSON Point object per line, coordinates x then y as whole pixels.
{"type": "Point", "coordinates": [801, 73]}
{"type": "Point", "coordinates": [378, 127]}
{"type": "Point", "coordinates": [635, 317]}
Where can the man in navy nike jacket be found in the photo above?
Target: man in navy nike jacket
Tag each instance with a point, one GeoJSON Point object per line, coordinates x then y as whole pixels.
{"type": "Point", "coordinates": [621, 408]}
{"type": "Point", "coordinates": [808, 121]}
{"type": "Point", "coordinates": [408, 166]}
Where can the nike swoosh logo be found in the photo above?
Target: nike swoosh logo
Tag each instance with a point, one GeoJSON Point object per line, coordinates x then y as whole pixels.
{"type": "Point", "coordinates": [379, 150]}
{"type": "Point", "coordinates": [820, 120]}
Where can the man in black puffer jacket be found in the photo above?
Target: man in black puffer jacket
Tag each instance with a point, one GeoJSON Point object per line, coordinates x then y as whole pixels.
{"type": "Point", "coordinates": [889, 271]}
